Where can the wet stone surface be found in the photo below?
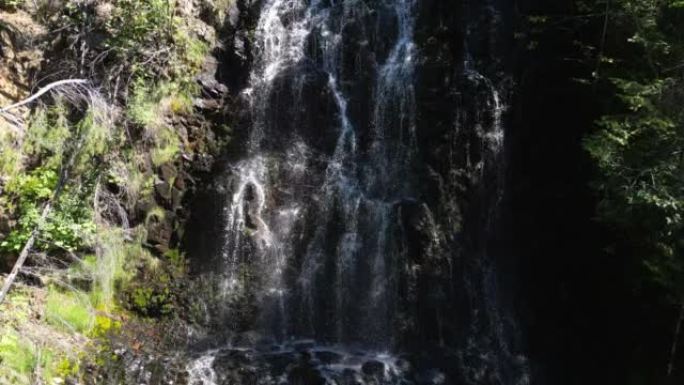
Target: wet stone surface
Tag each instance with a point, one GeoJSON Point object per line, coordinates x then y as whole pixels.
{"type": "Point", "coordinates": [305, 363]}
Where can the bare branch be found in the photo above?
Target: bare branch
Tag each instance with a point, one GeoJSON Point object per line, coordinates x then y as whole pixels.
{"type": "Point", "coordinates": [42, 91]}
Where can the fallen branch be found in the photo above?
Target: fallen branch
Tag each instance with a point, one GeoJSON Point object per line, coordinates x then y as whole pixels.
{"type": "Point", "coordinates": [42, 91]}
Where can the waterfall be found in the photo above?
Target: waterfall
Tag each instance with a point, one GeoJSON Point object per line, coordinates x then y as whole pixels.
{"type": "Point", "coordinates": [330, 233]}
{"type": "Point", "coordinates": [353, 184]}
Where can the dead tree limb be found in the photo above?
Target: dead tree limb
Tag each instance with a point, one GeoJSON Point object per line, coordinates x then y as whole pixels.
{"type": "Point", "coordinates": [42, 91]}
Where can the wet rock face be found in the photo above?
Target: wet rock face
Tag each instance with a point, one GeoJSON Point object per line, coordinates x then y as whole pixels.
{"type": "Point", "coordinates": [301, 106]}
{"type": "Point", "coordinates": [362, 194]}
{"type": "Point", "coordinates": [316, 365]}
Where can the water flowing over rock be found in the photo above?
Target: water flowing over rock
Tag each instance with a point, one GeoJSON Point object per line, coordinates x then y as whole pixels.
{"type": "Point", "coordinates": [360, 206]}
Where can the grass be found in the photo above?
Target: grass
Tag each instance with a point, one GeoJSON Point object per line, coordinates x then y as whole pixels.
{"type": "Point", "coordinates": [48, 134]}
{"type": "Point", "coordinates": [10, 156]}
{"type": "Point", "coordinates": [110, 268]}
{"type": "Point", "coordinates": [142, 107]}
{"type": "Point", "coordinates": [149, 107]}
{"type": "Point", "coordinates": [32, 351]}
{"type": "Point", "coordinates": [44, 333]}
{"type": "Point", "coordinates": [69, 311]}
{"type": "Point", "coordinates": [97, 133]}
{"type": "Point", "coordinates": [23, 362]}
{"type": "Point", "coordinates": [127, 175]}
{"type": "Point", "coordinates": [166, 147]}
{"type": "Point", "coordinates": [18, 357]}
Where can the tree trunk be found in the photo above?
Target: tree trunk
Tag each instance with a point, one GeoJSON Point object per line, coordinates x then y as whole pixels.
{"type": "Point", "coordinates": [675, 340]}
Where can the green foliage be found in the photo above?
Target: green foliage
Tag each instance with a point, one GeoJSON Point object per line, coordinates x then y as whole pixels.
{"type": "Point", "coordinates": [143, 106]}
{"type": "Point", "coordinates": [104, 325]}
{"type": "Point", "coordinates": [152, 55]}
{"type": "Point", "coordinates": [138, 27]}
{"type": "Point", "coordinates": [68, 227]}
{"type": "Point", "coordinates": [176, 258]}
{"type": "Point", "coordinates": [638, 147]}
{"type": "Point", "coordinates": [97, 137]}
{"type": "Point", "coordinates": [190, 52]}
{"type": "Point", "coordinates": [49, 134]}
{"type": "Point", "coordinates": [148, 301]}
{"type": "Point", "coordinates": [21, 360]}
{"type": "Point", "coordinates": [66, 368]}
{"type": "Point", "coordinates": [148, 34]}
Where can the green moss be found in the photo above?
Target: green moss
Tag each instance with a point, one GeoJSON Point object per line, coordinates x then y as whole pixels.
{"type": "Point", "coordinates": [176, 258]}
{"type": "Point", "coordinates": [151, 301]}
{"type": "Point", "coordinates": [153, 291]}
{"type": "Point", "coordinates": [104, 325]}
{"type": "Point", "coordinates": [66, 368]}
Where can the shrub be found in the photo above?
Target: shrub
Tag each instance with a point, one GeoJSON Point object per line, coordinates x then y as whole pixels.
{"type": "Point", "coordinates": [68, 227]}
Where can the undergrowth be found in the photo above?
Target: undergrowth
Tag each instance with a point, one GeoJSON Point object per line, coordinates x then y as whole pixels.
{"type": "Point", "coordinates": [91, 263]}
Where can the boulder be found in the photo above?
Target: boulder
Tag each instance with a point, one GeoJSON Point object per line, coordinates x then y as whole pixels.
{"type": "Point", "coordinates": [373, 368]}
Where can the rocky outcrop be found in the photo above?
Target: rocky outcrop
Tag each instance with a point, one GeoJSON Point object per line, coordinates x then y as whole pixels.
{"type": "Point", "coordinates": [440, 227]}
{"type": "Point", "coordinates": [20, 55]}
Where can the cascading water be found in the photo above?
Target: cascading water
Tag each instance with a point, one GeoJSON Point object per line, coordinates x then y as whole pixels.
{"type": "Point", "coordinates": [330, 234]}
